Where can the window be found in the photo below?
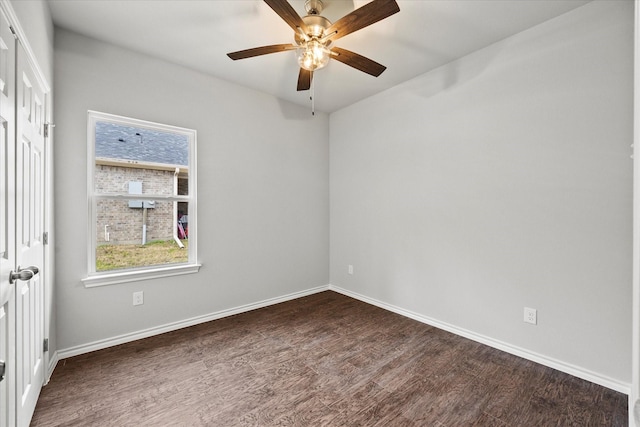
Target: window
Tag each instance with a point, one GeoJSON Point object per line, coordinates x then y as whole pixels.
{"type": "Point", "coordinates": [142, 200]}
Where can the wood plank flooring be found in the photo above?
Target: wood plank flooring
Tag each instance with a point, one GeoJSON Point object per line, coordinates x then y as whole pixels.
{"type": "Point", "coordinates": [321, 360]}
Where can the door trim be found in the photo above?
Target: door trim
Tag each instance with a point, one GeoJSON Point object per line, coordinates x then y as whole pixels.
{"type": "Point", "coordinates": [634, 396]}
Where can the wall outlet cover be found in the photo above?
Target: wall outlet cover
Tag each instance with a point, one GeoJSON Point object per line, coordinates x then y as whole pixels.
{"type": "Point", "coordinates": [531, 315]}
{"type": "Point", "coordinates": [138, 298]}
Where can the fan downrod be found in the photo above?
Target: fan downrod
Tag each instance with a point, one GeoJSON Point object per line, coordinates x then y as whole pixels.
{"type": "Point", "coordinates": [313, 7]}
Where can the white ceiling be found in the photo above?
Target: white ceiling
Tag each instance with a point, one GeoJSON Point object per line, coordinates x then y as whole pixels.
{"type": "Point", "coordinates": [424, 35]}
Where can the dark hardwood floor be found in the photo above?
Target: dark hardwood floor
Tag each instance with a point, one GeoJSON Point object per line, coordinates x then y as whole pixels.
{"type": "Point", "coordinates": [321, 360]}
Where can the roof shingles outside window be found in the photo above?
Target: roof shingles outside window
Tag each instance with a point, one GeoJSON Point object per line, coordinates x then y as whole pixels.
{"type": "Point", "coordinates": [114, 141]}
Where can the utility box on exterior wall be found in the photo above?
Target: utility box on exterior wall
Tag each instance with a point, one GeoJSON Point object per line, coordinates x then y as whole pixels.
{"type": "Point", "coordinates": [135, 187]}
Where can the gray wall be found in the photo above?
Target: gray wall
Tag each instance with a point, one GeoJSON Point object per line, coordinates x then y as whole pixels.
{"type": "Point", "coordinates": [499, 181]}
{"type": "Point", "coordinates": [262, 190]}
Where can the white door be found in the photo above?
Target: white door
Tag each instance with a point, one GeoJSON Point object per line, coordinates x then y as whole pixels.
{"type": "Point", "coordinates": [30, 173]}
{"type": "Point", "coordinates": [7, 223]}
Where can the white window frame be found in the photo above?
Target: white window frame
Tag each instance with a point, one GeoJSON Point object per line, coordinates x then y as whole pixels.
{"type": "Point", "coordinates": [102, 278]}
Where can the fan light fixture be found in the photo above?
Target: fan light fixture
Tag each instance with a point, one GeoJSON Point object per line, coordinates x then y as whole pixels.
{"type": "Point", "coordinates": [313, 55]}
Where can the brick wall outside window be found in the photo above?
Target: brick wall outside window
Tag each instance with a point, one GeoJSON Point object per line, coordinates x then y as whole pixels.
{"type": "Point", "coordinates": [125, 223]}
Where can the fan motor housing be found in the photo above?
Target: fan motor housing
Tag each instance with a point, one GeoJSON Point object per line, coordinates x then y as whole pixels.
{"type": "Point", "coordinates": [316, 26]}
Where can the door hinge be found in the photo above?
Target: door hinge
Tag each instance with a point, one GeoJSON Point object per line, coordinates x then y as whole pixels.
{"type": "Point", "coordinates": [45, 238]}
{"type": "Point", "coordinates": [47, 129]}
{"type": "Point", "coordinates": [45, 345]}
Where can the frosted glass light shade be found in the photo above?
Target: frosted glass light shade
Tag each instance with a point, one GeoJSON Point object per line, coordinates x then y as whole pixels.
{"type": "Point", "coordinates": [313, 55]}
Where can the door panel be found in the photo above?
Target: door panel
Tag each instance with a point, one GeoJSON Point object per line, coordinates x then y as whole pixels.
{"type": "Point", "coordinates": [30, 249]}
{"type": "Point", "coordinates": [7, 221]}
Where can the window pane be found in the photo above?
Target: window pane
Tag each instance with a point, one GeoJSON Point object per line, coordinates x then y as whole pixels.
{"type": "Point", "coordinates": [131, 235]}
{"type": "Point", "coordinates": [136, 160]}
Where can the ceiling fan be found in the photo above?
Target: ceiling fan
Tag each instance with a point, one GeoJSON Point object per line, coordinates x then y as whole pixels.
{"type": "Point", "coordinates": [314, 34]}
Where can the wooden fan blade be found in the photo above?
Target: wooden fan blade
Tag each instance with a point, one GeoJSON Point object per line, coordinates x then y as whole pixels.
{"type": "Point", "coordinates": [304, 79]}
{"type": "Point", "coordinates": [357, 61]}
{"type": "Point", "coordinates": [362, 17]}
{"type": "Point", "coordinates": [262, 50]}
{"type": "Point", "coordinates": [287, 13]}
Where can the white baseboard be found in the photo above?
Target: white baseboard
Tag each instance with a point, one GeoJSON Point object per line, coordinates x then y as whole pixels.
{"type": "Point", "coordinates": [570, 369]}
{"type": "Point", "coordinates": [53, 362]}
{"type": "Point", "coordinates": [133, 336]}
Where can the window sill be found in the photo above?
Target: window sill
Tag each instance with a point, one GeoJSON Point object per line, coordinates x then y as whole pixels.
{"type": "Point", "coordinates": [104, 279]}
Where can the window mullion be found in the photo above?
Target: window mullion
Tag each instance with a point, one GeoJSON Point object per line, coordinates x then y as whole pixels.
{"type": "Point", "coordinates": [163, 197]}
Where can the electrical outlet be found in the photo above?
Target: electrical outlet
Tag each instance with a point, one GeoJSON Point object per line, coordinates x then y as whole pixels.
{"type": "Point", "coordinates": [531, 315]}
{"type": "Point", "coordinates": [138, 298]}
{"type": "Point", "coordinates": [350, 269]}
